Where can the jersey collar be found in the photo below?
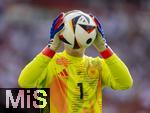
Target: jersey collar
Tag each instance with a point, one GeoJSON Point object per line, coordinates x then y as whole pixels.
{"type": "Point", "coordinates": [73, 58]}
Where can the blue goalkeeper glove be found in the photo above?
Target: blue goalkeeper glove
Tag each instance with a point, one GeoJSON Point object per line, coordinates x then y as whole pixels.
{"type": "Point", "coordinates": [57, 27]}
{"type": "Point", "coordinates": [99, 42]}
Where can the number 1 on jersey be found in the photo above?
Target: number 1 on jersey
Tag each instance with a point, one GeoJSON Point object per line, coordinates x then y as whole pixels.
{"type": "Point", "coordinates": [81, 90]}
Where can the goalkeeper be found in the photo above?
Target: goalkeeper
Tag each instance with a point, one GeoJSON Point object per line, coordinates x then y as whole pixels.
{"type": "Point", "coordinates": [75, 80]}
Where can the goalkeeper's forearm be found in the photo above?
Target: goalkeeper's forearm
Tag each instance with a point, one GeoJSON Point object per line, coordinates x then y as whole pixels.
{"type": "Point", "coordinates": [119, 76]}
{"type": "Point", "coordinates": [34, 69]}
{"type": "Point", "coordinates": [115, 73]}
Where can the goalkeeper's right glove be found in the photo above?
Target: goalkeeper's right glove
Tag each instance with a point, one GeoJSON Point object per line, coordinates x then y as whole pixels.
{"type": "Point", "coordinates": [57, 27]}
{"type": "Point", "coordinates": [55, 42]}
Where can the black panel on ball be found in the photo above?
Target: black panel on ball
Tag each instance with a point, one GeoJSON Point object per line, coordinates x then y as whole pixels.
{"type": "Point", "coordinates": [89, 41]}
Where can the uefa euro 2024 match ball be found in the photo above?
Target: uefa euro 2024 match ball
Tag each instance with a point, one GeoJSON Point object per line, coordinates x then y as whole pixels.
{"type": "Point", "coordinates": [79, 30]}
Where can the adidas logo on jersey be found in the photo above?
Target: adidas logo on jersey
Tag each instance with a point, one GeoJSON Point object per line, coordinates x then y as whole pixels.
{"type": "Point", "coordinates": [63, 73]}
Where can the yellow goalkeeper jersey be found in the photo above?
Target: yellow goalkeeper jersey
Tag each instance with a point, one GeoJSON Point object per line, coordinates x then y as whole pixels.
{"type": "Point", "coordinates": [75, 82]}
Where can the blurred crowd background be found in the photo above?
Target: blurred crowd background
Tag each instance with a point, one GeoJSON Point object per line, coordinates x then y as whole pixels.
{"type": "Point", "coordinates": [24, 31]}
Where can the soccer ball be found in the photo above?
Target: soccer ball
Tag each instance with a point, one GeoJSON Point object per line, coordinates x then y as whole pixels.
{"type": "Point", "coordinates": [79, 30]}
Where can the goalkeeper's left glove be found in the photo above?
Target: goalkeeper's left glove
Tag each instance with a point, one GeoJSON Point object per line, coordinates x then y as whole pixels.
{"type": "Point", "coordinates": [100, 41]}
